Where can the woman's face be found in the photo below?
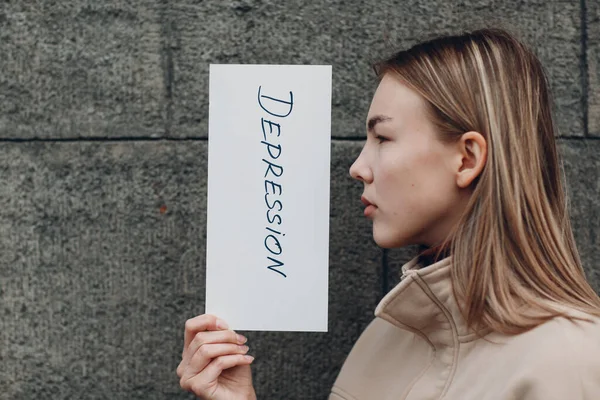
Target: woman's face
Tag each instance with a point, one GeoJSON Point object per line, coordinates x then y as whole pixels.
{"type": "Point", "coordinates": [409, 176]}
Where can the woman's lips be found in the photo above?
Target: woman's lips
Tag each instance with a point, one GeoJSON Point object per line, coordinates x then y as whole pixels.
{"type": "Point", "coordinates": [369, 208]}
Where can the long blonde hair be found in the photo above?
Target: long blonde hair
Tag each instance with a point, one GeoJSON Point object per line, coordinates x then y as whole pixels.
{"type": "Point", "coordinates": [515, 262]}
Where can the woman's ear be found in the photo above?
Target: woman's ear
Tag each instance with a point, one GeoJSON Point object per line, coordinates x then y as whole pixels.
{"type": "Point", "coordinates": [472, 147]}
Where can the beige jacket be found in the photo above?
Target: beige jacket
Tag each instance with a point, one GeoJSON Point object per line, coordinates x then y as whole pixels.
{"type": "Point", "coordinates": [418, 348]}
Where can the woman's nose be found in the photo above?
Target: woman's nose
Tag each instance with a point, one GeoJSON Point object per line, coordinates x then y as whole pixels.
{"type": "Point", "coordinates": [360, 171]}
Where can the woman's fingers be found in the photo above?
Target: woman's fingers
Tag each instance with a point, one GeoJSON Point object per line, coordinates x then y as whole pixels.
{"type": "Point", "coordinates": [207, 352]}
{"type": "Point", "coordinates": [201, 382]}
{"type": "Point", "coordinates": [208, 337]}
{"type": "Point", "coordinates": [204, 322]}
{"type": "Point", "coordinates": [215, 337]}
{"type": "Point", "coordinates": [214, 369]}
{"type": "Point", "coordinates": [200, 345]}
{"type": "Point", "coordinates": [209, 348]}
{"type": "Point", "coordinates": [217, 365]}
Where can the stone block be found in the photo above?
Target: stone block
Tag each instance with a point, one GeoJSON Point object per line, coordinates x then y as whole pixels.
{"type": "Point", "coordinates": [81, 69]}
{"type": "Point", "coordinates": [102, 253]}
{"type": "Point", "coordinates": [141, 69]}
{"type": "Point", "coordinates": [582, 171]}
{"type": "Point", "coordinates": [592, 16]}
{"type": "Point", "coordinates": [102, 260]}
{"type": "Point", "coordinates": [350, 35]}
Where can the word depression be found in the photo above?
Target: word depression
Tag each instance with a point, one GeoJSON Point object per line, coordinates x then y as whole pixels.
{"type": "Point", "coordinates": [277, 109]}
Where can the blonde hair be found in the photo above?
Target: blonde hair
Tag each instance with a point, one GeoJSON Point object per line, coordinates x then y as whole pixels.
{"type": "Point", "coordinates": [515, 262]}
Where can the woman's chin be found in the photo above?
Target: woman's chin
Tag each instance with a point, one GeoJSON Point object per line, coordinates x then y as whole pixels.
{"type": "Point", "coordinates": [388, 241]}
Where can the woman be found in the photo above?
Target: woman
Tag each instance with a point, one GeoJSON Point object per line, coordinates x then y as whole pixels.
{"type": "Point", "coordinates": [460, 158]}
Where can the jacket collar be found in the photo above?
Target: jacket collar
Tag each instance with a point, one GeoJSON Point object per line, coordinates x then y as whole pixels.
{"type": "Point", "coordinates": [423, 303]}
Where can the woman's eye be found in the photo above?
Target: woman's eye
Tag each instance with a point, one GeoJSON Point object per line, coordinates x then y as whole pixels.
{"type": "Point", "coordinates": [381, 139]}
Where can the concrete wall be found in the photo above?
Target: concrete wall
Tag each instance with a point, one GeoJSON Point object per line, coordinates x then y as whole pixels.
{"type": "Point", "coordinates": [103, 126]}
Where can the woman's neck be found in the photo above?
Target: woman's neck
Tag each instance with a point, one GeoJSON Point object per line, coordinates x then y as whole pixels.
{"type": "Point", "coordinates": [431, 255]}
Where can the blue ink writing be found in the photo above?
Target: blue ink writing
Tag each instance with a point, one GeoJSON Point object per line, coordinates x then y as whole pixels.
{"type": "Point", "coordinates": [274, 169]}
{"type": "Point", "coordinates": [283, 104]}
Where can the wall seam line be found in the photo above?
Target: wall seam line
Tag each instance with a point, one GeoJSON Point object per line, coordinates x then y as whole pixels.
{"type": "Point", "coordinates": [168, 68]}
{"type": "Point", "coordinates": [385, 272]}
{"type": "Point", "coordinates": [200, 139]}
{"type": "Point", "coordinates": [584, 67]}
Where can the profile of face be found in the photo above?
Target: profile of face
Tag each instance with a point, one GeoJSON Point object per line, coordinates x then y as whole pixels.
{"type": "Point", "coordinates": [416, 185]}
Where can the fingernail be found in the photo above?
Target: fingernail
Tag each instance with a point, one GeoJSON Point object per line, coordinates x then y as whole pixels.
{"type": "Point", "coordinates": [241, 339]}
{"type": "Point", "coordinates": [222, 324]}
{"type": "Point", "coordinates": [249, 358]}
{"type": "Point", "coordinates": [244, 349]}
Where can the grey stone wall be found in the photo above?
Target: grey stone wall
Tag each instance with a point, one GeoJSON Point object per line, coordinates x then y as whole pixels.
{"type": "Point", "coordinates": [103, 126]}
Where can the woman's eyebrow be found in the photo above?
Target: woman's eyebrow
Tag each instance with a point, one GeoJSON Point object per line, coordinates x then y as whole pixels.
{"type": "Point", "coordinates": [375, 120]}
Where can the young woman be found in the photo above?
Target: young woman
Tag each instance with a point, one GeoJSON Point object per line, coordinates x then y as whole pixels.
{"type": "Point", "coordinates": [460, 158]}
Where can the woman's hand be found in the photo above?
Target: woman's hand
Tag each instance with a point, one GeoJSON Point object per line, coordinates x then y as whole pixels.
{"type": "Point", "coordinates": [214, 363]}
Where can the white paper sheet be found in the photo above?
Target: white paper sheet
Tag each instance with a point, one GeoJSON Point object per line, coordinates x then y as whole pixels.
{"type": "Point", "coordinates": [268, 196]}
